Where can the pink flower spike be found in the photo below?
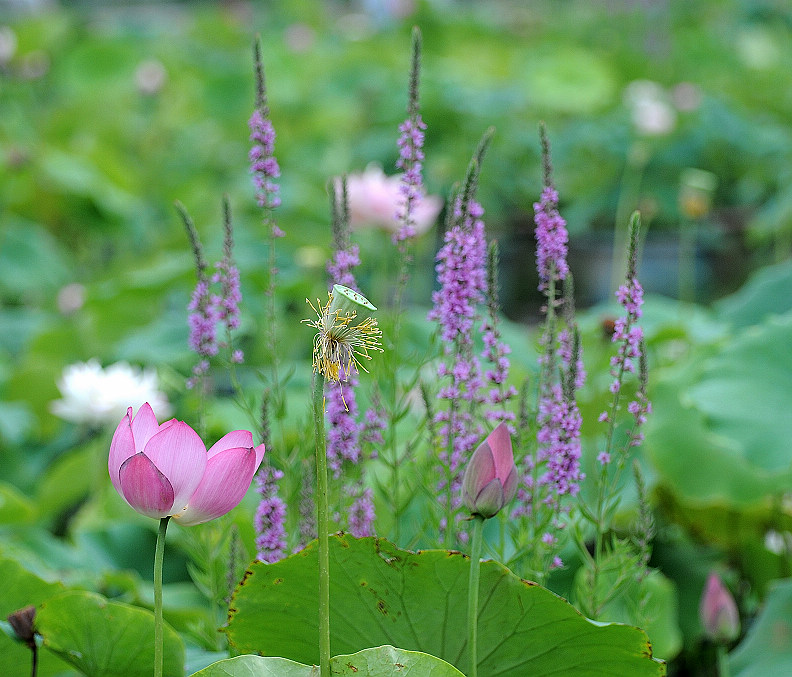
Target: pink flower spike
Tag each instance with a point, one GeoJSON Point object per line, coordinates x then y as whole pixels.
{"type": "Point", "coordinates": [145, 488]}
{"type": "Point", "coordinates": [224, 484]}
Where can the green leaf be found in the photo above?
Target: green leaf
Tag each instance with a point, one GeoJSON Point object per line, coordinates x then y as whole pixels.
{"type": "Point", "coordinates": [719, 434]}
{"type": "Point", "coordinates": [257, 666]}
{"type": "Point", "coordinates": [380, 594]}
{"type": "Point", "coordinates": [381, 661]}
{"type": "Point", "coordinates": [767, 648]}
{"type": "Point", "coordinates": [767, 292]}
{"type": "Point", "coordinates": [20, 589]}
{"type": "Point", "coordinates": [104, 638]}
{"type": "Point", "coordinates": [650, 603]}
{"type": "Point", "coordinates": [15, 507]}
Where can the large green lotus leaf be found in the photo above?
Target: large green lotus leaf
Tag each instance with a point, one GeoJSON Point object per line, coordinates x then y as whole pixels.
{"type": "Point", "coordinates": [380, 594]}
{"type": "Point", "coordinates": [381, 661]}
{"type": "Point", "coordinates": [745, 395]}
{"type": "Point", "coordinates": [20, 589]}
{"type": "Point", "coordinates": [104, 638]}
{"type": "Point", "coordinates": [701, 466]}
{"type": "Point", "coordinates": [257, 666]}
{"type": "Point", "coordinates": [719, 432]}
{"type": "Point", "coordinates": [767, 292]}
{"type": "Point", "coordinates": [767, 648]}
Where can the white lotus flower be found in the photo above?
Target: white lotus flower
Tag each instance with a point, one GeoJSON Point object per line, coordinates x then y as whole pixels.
{"type": "Point", "coordinates": [99, 396]}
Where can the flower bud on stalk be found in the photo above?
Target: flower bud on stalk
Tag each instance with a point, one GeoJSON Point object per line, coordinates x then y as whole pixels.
{"type": "Point", "coordinates": [718, 612]}
{"type": "Point", "coordinates": [490, 480]}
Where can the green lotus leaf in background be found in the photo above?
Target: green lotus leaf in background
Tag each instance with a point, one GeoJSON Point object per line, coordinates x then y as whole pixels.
{"type": "Point", "coordinates": [718, 434]}
{"type": "Point", "coordinates": [20, 589]}
{"type": "Point", "coordinates": [381, 661]}
{"type": "Point", "coordinates": [767, 648]}
{"type": "Point", "coordinates": [105, 639]}
{"type": "Point", "coordinates": [383, 595]}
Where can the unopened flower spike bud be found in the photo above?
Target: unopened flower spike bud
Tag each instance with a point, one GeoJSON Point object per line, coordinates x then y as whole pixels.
{"type": "Point", "coordinates": [490, 480]}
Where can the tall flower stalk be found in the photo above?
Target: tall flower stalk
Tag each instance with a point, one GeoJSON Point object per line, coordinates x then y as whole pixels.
{"type": "Point", "coordinates": [264, 170]}
{"type": "Point", "coordinates": [164, 471]}
{"type": "Point", "coordinates": [551, 472]}
{"type": "Point", "coordinates": [630, 359]}
{"type": "Point", "coordinates": [214, 305]}
{"type": "Point", "coordinates": [341, 342]}
{"type": "Point", "coordinates": [461, 272]}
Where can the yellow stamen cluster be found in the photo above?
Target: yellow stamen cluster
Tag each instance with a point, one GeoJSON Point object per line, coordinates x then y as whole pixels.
{"type": "Point", "coordinates": [339, 342]}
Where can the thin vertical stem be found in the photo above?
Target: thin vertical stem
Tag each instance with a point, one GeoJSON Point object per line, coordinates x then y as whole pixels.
{"type": "Point", "coordinates": [723, 661]}
{"type": "Point", "coordinates": [158, 557]}
{"type": "Point", "coordinates": [473, 593]}
{"type": "Point", "coordinates": [322, 526]}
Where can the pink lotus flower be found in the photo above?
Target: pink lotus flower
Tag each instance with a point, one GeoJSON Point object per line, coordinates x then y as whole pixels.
{"type": "Point", "coordinates": [375, 199]}
{"type": "Point", "coordinates": [164, 469]}
{"type": "Point", "coordinates": [490, 480]}
{"type": "Point", "coordinates": [718, 612]}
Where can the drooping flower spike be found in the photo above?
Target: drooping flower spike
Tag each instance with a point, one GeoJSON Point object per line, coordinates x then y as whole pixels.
{"type": "Point", "coordinates": [164, 470]}
{"type": "Point", "coordinates": [340, 342]}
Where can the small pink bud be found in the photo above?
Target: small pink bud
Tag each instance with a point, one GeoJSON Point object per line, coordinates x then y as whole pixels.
{"type": "Point", "coordinates": [490, 480]}
{"type": "Point", "coordinates": [718, 612]}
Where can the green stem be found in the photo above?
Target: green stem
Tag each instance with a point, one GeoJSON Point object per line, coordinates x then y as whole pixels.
{"type": "Point", "coordinates": [723, 661]}
{"type": "Point", "coordinates": [158, 556]}
{"type": "Point", "coordinates": [473, 593]}
{"type": "Point", "coordinates": [322, 526]}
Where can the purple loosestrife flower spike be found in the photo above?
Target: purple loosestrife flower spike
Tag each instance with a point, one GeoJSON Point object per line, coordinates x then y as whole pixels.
{"type": "Point", "coordinates": [361, 514]}
{"type": "Point", "coordinates": [490, 480]}
{"type": "Point", "coordinates": [718, 612]}
{"type": "Point", "coordinates": [631, 353]}
{"type": "Point", "coordinates": [461, 272]}
{"type": "Point", "coordinates": [411, 153]}
{"type": "Point", "coordinates": [496, 350]}
{"type": "Point", "coordinates": [263, 165]}
{"type": "Point", "coordinates": [270, 517]}
{"type": "Point", "coordinates": [551, 232]}
{"type": "Point", "coordinates": [227, 276]}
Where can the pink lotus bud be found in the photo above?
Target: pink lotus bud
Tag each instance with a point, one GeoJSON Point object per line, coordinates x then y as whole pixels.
{"type": "Point", "coordinates": [491, 477]}
{"type": "Point", "coordinates": [164, 469]}
{"type": "Point", "coordinates": [718, 612]}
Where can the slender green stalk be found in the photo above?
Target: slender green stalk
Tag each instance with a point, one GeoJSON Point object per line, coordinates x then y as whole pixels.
{"type": "Point", "coordinates": [723, 661]}
{"type": "Point", "coordinates": [322, 526]}
{"type": "Point", "coordinates": [158, 556]}
{"type": "Point", "coordinates": [473, 593]}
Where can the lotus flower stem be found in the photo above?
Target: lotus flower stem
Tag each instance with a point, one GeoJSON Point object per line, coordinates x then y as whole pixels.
{"type": "Point", "coordinates": [322, 526]}
{"type": "Point", "coordinates": [473, 593]}
{"type": "Point", "coordinates": [723, 661]}
{"type": "Point", "coordinates": [158, 556]}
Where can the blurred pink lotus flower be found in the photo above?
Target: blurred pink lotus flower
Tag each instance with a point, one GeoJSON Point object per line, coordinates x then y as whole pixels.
{"type": "Point", "coordinates": [164, 469]}
{"type": "Point", "coordinates": [490, 480]}
{"type": "Point", "coordinates": [718, 612]}
{"type": "Point", "coordinates": [375, 199]}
